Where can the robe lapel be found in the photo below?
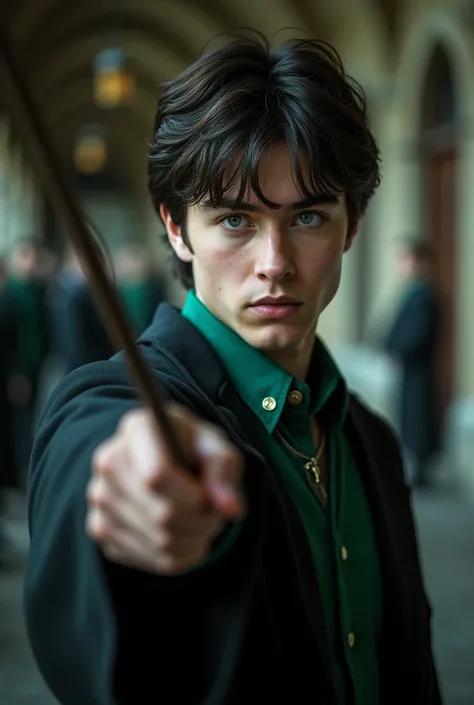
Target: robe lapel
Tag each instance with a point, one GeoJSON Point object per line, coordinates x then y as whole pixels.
{"type": "Point", "coordinates": [379, 462]}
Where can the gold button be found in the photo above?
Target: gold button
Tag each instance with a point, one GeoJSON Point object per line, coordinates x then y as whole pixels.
{"type": "Point", "coordinates": [295, 397]}
{"type": "Point", "coordinates": [344, 553]}
{"type": "Point", "coordinates": [269, 404]}
{"type": "Point", "coordinates": [351, 640]}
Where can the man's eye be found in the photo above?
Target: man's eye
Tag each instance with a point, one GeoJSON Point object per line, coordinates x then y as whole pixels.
{"type": "Point", "coordinates": [310, 219]}
{"type": "Point", "coordinates": [235, 221]}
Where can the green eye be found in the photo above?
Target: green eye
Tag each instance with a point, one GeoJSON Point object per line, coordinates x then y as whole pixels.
{"type": "Point", "coordinates": [234, 222]}
{"type": "Point", "coordinates": [309, 218]}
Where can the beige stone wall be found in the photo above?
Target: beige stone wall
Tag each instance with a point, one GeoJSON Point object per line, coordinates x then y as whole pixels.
{"type": "Point", "coordinates": [395, 100]}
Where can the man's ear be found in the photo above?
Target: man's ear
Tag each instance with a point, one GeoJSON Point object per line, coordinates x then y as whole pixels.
{"type": "Point", "coordinates": [174, 236]}
{"type": "Point", "coordinates": [351, 236]}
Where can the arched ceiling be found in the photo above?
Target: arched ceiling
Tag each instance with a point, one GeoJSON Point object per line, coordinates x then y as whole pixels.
{"type": "Point", "coordinates": [58, 40]}
{"type": "Point", "coordinates": [390, 12]}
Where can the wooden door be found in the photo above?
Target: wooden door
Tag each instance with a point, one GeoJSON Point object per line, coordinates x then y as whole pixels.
{"type": "Point", "coordinates": [441, 228]}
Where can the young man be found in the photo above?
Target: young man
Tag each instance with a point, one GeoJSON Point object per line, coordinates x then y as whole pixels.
{"type": "Point", "coordinates": [286, 568]}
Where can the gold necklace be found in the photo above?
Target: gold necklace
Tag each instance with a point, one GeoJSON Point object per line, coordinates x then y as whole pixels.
{"type": "Point", "coordinates": [312, 465]}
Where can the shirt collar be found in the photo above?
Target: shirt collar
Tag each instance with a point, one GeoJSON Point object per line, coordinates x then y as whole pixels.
{"type": "Point", "coordinates": [328, 386]}
{"type": "Point", "coordinates": [261, 383]}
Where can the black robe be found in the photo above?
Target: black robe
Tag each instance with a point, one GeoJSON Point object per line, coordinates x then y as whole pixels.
{"type": "Point", "coordinates": [247, 628]}
{"type": "Point", "coordinates": [77, 332]}
{"type": "Point", "coordinates": [8, 358]}
{"type": "Point", "coordinates": [412, 342]}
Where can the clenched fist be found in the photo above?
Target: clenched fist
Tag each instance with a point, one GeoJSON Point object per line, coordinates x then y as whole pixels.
{"type": "Point", "coordinates": [144, 510]}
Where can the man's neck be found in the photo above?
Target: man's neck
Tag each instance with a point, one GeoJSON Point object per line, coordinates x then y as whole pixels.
{"type": "Point", "coordinates": [296, 362]}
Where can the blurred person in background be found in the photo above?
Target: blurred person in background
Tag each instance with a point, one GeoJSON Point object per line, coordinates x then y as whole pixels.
{"type": "Point", "coordinates": [49, 262]}
{"type": "Point", "coordinates": [28, 289]}
{"type": "Point", "coordinates": [140, 286]}
{"type": "Point", "coordinates": [77, 333]}
{"type": "Point", "coordinates": [411, 342]}
{"type": "Point", "coordinates": [9, 476]}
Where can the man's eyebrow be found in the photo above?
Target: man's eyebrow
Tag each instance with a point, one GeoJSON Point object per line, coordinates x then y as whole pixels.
{"type": "Point", "coordinates": [321, 199]}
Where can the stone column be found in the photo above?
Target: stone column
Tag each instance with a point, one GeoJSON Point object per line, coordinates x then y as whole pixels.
{"type": "Point", "coordinates": [16, 218]}
{"type": "Point", "coordinates": [4, 184]}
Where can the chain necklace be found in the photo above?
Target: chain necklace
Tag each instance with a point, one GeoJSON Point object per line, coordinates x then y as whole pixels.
{"type": "Point", "coordinates": [312, 466]}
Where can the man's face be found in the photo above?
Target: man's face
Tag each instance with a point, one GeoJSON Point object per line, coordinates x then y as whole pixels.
{"type": "Point", "coordinates": [267, 273]}
{"type": "Point", "coordinates": [406, 264]}
{"type": "Point", "coordinates": [24, 261]}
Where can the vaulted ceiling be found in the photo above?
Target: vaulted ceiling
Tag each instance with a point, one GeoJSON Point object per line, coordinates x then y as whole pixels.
{"type": "Point", "coordinates": [57, 41]}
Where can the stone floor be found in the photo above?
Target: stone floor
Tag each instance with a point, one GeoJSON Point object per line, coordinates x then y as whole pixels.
{"type": "Point", "coordinates": [20, 682]}
{"type": "Point", "coordinates": [446, 526]}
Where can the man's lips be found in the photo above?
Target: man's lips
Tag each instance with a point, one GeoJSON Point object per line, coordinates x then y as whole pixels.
{"type": "Point", "coordinates": [276, 301]}
{"type": "Point", "coordinates": [275, 307]}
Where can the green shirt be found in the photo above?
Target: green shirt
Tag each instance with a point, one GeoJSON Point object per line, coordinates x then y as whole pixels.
{"type": "Point", "coordinates": [345, 557]}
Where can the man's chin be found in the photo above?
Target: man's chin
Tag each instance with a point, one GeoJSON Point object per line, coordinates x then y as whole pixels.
{"type": "Point", "coordinates": [273, 338]}
{"type": "Point", "coordinates": [265, 334]}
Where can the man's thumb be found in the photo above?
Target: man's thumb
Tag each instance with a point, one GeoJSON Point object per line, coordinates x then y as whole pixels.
{"type": "Point", "coordinates": [222, 466]}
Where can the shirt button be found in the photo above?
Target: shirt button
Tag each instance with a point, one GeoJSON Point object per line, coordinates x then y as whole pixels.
{"type": "Point", "coordinates": [295, 397]}
{"type": "Point", "coordinates": [344, 553]}
{"type": "Point", "coordinates": [351, 640]}
{"type": "Point", "coordinates": [269, 404]}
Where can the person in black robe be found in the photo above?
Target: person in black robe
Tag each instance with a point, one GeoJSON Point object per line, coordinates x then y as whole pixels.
{"type": "Point", "coordinates": [77, 333]}
{"type": "Point", "coordinates": [141, 287]}
{"type": "Point", "coordinates": [411, 341]}
{"type": "Point", "coordinates": [8, 351]}
{"type": "Point", "coordinates": [27, 288]}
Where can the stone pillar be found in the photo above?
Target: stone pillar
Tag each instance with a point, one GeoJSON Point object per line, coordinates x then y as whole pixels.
{"type": "Point", "coordinates": [16, 220]}
{"type": "Point", "coordinates": [30, 215]}
{"type": "Point", "coordinates": [4, 184]}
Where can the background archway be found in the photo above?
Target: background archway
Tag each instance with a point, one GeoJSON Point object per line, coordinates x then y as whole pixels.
{"type": "Point", "coordinates": [439, 167]}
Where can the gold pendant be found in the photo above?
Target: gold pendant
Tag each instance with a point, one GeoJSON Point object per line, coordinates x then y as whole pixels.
{"type": "Point", "coordinates": [314, 473]}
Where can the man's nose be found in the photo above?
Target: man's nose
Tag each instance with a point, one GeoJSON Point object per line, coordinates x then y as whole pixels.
{"type": "Point", "coordinates": [275, 257]}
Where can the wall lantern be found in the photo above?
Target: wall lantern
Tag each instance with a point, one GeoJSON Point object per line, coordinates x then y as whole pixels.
{"type": "Point", "coordinates": [90, 150]}
{"type": "Point", "coordinates": [114, 80]}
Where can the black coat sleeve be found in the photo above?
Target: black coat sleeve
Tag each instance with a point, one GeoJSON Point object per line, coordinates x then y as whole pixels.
{"type": "Point", "coordinates": [68, 611]}
{"type": "Point", "coordinates": [103, 634]}
{"type": "Point", "coordinates": [8, 333]}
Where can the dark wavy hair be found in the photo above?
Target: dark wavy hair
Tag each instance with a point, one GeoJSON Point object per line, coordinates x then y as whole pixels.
{"type": "Point", "coordinates": [232, 103]}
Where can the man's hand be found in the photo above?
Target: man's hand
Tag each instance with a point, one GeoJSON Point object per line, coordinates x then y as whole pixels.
{"type": "Point", "coordinates": [144, 510]}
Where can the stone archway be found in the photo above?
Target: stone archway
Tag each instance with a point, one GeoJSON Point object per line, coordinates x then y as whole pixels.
{"type": "Point", "coordinates": [447, 31]}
